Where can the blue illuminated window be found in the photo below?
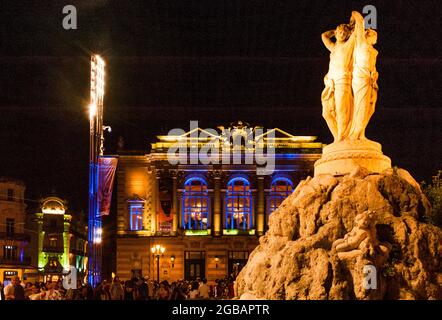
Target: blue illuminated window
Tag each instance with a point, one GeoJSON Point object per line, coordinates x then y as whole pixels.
{"type": "Point", "coordinates": [195, 212]}
{"type": "Point", "coordinates": [281, 188]}
{"type": "Point", "coordinates": [136, 215]}
{"type": "Point", "coordinates": [238, 204]}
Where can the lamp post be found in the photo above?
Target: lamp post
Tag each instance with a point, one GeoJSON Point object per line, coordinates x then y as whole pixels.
{"type": "Point", "coordinates": [158, 251]}
{"type": "Point", "coordinates": [95, 152]}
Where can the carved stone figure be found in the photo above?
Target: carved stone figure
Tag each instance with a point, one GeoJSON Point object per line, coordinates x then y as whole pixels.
{"type": "Point", "coordinates": [348, 100]}
{"type": "Point", "coordinates": [350, 92]}
{"type": "Point", "coordinates": [337, 98]}
{"type": "Point", "coordinates": [362, 241]}
{"type": "Point", "coordinates": [364, 82]}
{"type": "Point", "coordinates": [296, 259]}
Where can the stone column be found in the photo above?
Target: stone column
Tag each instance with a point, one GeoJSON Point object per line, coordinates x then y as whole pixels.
{"type": "Point", "coordinates": [179, 209]}
{"type": "Point", "coordinates": [66, 240]}
{"type": "Point", "coordinates": [155, 226]}
{"type": "Point", "coordinates": [217, 228]}
{"type": "Point", "coordinates": [41, 234]}
{"type": "Point", "coordinates": [175, 209]}
{"type": "Point", "coordinates": [260, 208]}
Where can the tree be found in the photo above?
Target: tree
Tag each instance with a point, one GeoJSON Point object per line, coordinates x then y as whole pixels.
{"type": "Point", "coordinates": [433, 192]}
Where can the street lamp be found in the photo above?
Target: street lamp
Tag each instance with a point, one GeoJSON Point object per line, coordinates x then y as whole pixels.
{"type": "Point", "coordinates": [95, 152]}
{"type": "Point", "coordinates": [158, 251]}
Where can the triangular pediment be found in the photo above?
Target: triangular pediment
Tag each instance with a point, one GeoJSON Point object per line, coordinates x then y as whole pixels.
{"type": "Point", "coordinates": [279, 134]}
{"type": "Point", "coordinates": [199, 130]}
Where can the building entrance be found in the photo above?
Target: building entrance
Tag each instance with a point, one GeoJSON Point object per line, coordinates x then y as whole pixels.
{"type": "Point", "coordinates": [195, 265]}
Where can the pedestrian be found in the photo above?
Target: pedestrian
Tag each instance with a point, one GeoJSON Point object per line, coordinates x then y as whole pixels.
{"type": "Point", "coordinates": [128, 290]}
{"type": "Point", "coordinates": [116, 289]}
{"type": "Point", "coordinates": [52, 293]}
{"type": "Point", "coordinates": [36, 294]}
{"type": "Point", "coordinates": [204, 290]}
{"type": "Point", "coordinates": [193, 294]}
{"type": "Point", "coordinates": [87, 292]}
{"type": "Point", "coordinates": [2, 295]}
{"type": "Point", "coordinates": [105, 291]}
{"type": "Point", "coordinates": [150, 289]}
{"type": "Point", "coordinates": [14, 290]}
{"type": "Point", "coordinates": [141, 290]}
{"type": "Point", "coordinates": [177, 292]}
{"type": "Point", "coordinates": [163, 292]}
{"type": "Point", "coordinates": [28, 290]}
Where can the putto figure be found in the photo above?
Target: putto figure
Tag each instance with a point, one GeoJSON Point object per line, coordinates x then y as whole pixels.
{"type": "Point", "coordinates": [350, 92]}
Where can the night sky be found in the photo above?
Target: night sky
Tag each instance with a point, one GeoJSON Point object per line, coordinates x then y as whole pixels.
{"type": "Point", "coordinates": [216, 62]}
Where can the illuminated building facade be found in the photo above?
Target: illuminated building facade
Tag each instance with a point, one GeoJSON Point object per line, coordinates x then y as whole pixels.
{"type": "Point", "coordinates": [13, 238]}
{"type": "Point", "coordinates": [59, 240]}
{"type": "Point", "coordinates": [208, 217]}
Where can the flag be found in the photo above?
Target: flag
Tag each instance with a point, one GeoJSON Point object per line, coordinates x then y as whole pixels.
{"type": "Point", "coordinates": [106, 167]}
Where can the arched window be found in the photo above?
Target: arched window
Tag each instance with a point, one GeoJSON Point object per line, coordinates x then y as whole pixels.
{"type": "Point", "coordinates": [195, 204]}
{"type": "Point", "coordinates": [238, 204]}
{"type": "Point", "coordinates": [281, 188]}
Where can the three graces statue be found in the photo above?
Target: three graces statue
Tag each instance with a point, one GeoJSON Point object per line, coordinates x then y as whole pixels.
{"type": "Point", "coordinates": [350, 92]}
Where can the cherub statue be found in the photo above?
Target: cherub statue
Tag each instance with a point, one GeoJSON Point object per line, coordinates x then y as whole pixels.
{"type": "Point", "coordinates": [362, 240]}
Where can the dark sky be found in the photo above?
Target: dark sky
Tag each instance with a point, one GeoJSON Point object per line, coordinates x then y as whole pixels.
{"type": "Point", "coordinates": [213, 61]}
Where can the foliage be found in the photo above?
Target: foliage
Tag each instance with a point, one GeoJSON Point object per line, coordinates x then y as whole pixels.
{"type": "Point", "coordinates": [433, 192]}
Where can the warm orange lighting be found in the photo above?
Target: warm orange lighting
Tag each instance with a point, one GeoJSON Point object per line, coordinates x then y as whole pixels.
{"type": "Point", "coordinates": [92, 110]}
{"type": "Point", "coordinates": [158, 250]}
{"type": "Point", "coordinates": [97, 84]}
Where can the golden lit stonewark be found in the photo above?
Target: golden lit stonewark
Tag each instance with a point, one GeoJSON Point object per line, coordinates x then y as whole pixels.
{"type": "Point", "coordinates": [349, 99]}
{"type": "Point", "coordinates": [219, 210]}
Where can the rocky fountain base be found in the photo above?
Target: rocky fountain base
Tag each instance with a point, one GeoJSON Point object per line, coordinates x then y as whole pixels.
{"type": "Point", "coordinates": [357, 236]}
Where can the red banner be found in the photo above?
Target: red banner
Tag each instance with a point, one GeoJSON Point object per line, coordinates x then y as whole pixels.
{"type": "Point", "coordinates": [107, 167]}
{"type": "Point", "coordinates": [165, 216]}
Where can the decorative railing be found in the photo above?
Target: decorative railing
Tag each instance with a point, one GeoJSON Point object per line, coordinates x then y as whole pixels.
{"type": "Point", "coordinates": [15, 261]}
{"type": "Point", "coordinates": [15, 236]}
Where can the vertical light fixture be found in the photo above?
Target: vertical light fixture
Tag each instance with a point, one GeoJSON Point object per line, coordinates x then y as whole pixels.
{"type": "Point", "coordinates": [158, 251]}
{"type": "Point", "coordinates": [95, 151]}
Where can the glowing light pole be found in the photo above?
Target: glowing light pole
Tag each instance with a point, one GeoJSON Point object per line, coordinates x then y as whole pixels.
{"type": "Point", "coordinates": [158, 251]}
{"type": "Point", "coordinates": [96, 140]}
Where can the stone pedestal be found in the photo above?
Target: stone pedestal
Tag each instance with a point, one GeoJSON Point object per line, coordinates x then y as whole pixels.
{"type": "Point", "coordinates": [333, 231]}
{"type": "Point", "coordinates": [343, 157]}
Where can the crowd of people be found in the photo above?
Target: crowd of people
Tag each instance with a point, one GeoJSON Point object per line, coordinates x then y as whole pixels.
{"type": "Point", "coordinates": [135, 289]}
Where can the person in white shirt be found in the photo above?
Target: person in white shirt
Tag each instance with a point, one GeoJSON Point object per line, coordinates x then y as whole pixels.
{"type": "Point", "coordinates": [204, 290]}
{"type": "Point", "coordinates": [9, 289]}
